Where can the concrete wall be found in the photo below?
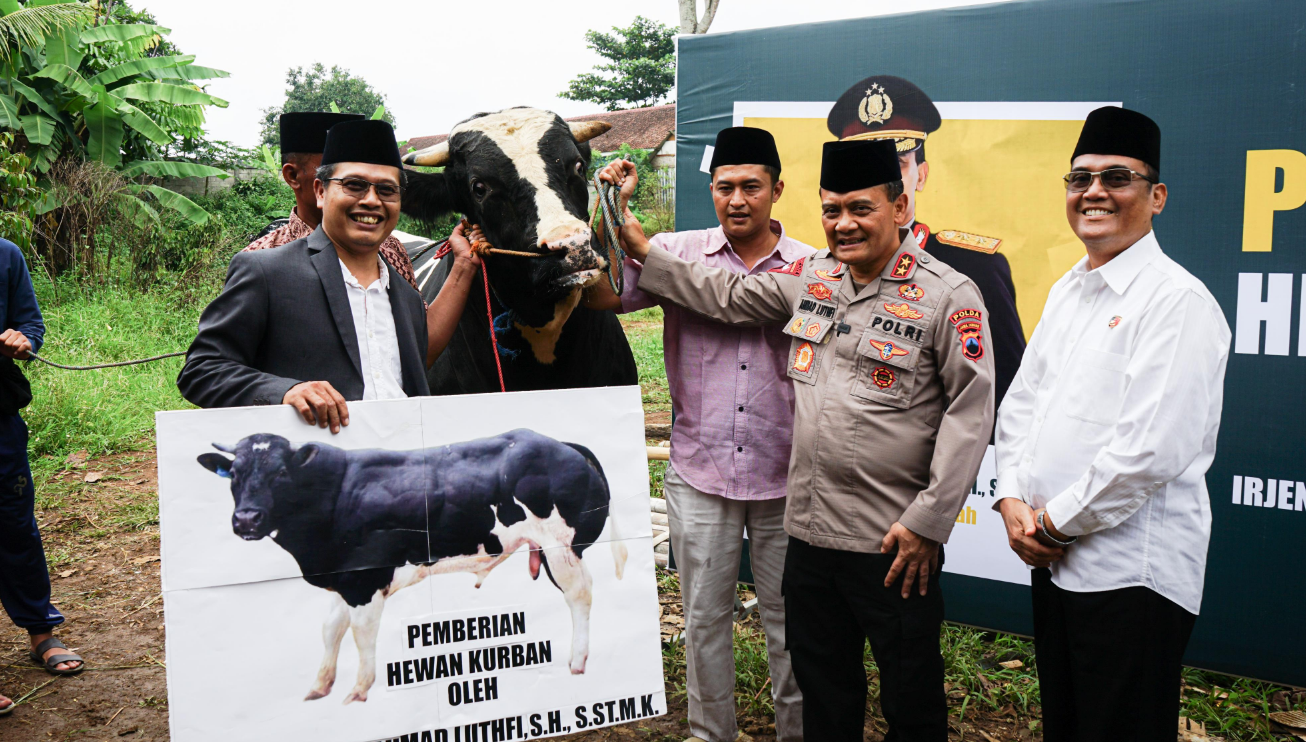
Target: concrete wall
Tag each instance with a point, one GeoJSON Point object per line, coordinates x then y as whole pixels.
{"type": "Point", "coordinates": [212, 185]}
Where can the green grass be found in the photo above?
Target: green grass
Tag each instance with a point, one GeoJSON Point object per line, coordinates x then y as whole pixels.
{"type": "Point", "coordinates": [644, 332]}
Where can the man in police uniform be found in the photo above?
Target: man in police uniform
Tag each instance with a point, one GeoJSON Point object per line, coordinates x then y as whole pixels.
{"type": "Point", "coordinates": [888, 107]}
{"type": "Point", "coordinates": [894, 404]}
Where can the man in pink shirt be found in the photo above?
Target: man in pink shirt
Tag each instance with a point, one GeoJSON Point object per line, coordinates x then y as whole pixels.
{"type": "Point", "coordinates": [734, 414]}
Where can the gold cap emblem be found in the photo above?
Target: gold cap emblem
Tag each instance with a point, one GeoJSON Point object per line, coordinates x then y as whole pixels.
{"type": "Point", "coordinates": [876, 107]}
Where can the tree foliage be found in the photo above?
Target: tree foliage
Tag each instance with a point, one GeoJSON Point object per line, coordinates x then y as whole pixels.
{"type": "Point", "coordinates": [641, 70]}
{"type": "Point", "coordinates": [319, 89]}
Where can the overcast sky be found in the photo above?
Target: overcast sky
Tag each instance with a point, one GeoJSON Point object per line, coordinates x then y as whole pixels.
{"type": "Point", "coordinates": [437, 61]}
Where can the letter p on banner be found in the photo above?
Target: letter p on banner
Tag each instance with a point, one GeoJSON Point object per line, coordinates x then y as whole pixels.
{"type": "Point", "coordinates": [1261, 199]}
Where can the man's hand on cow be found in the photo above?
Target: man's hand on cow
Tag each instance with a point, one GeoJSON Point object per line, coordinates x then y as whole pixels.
{"type": "Point", "coordinates": [462, 239]}
{"type": "Point", "coordinates": [15, 344]}
{"type": "Point", "coordinates": [1022, 534]}
{"type": "Point", "coordinates": [319, 404]}
{"type": "Point", "coordinates": [622, 174]}
{"type": "Point", "coordinates": [917, 558]}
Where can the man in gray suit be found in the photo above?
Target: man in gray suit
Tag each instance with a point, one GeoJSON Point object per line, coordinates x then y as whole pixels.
{"type": "Point", "coordinates": [324, 319]}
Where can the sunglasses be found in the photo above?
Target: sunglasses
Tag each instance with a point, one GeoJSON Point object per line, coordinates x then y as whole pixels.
{"type": "Point", "coordinates": [1113, 179]}
{"type": "Point", "coordinates": [357, 188]}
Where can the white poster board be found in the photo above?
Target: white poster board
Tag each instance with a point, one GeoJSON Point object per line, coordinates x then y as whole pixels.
{"type": "Point", "coordinates": [978, 544]}
{"type": "Point", "coordinates": [253, 619]}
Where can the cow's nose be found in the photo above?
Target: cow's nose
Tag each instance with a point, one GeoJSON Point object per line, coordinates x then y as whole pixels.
{"type": "Point", "coordinates": [247, 520]}
{"type": "Point", "coordinates": [562, 240]}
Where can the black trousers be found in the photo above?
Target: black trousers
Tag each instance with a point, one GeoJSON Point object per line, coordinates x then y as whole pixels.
{"type": "Point", "coordinates": [24, 579]}
{"type": "Point", "coordinates": [1108, 662]}
{"type": "Point", "coordinates": [834, 602]}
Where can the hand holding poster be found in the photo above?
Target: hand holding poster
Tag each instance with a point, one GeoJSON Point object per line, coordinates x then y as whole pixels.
{"type": "Point", "coordinates": [421, 531]}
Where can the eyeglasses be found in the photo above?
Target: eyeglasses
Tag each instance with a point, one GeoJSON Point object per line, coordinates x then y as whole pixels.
{"type": "Point", "coordinates": [1113, 179]}
{"type": "Point", "coordinates": [357, 188]}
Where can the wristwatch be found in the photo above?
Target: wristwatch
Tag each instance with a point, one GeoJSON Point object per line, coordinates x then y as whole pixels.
{"type": "Point", "coordinates": [1044, 530]}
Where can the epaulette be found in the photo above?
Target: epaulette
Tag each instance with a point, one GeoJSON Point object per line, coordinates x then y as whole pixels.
{"type": "Point", "coordinates": [968, 241]}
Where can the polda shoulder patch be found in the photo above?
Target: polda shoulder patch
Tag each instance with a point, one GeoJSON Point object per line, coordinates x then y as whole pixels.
{"type": "Point", "coordinates": [969, 241]}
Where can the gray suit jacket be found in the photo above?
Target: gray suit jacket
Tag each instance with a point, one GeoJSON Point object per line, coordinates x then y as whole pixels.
{"type": "Point", "coordinates": [282, 318]}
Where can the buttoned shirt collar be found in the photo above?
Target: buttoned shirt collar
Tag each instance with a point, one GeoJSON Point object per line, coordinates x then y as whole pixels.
{"type": "Point", "coordinates": [1121, 270]}
{"type": "Point", "coordinates": [788, 250]}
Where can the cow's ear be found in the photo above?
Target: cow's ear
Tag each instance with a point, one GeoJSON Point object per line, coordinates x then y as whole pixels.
{"type": "Point", "coordinates": [427, 196]}
{"type": "Point", "coordinates": [216, 463]}
{"type": "Point", "coordinates": [305, 454]}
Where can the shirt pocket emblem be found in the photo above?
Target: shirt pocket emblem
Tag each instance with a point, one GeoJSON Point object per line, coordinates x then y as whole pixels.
{"type": "Point", "coordinates": [804, 362]}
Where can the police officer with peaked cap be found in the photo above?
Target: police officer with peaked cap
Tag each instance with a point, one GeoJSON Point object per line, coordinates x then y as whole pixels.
{"type": "Point", "coordinates": [893, 406]}
{"type": "Point", "coordinates": [888, 107]}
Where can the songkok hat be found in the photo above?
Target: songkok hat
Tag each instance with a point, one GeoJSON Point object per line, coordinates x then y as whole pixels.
{"type": "Point", "coordinates": [369, 141]}
{"type": "Point", "coordinates": [1111, 130]}
{"type": "Point", "coordinates": [306, 132]}
{"type": "Point", "coordinates": [884, 107]}
{"type": "Point", "coordinates": [745, 145]}
{"type": "Point", "coordinates": [857, 164]}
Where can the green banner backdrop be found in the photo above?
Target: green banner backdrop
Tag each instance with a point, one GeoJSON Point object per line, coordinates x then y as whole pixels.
{"type": "Point", "coordinates": [1225, 81]}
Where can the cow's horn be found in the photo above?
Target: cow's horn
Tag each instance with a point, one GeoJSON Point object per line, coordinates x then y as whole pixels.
{"type": "Point", "coordinates": [584, 131]}
{"type": "Point", "coordinates": [225, 449]}
{"type": "Point", "coordinates": [433, 156]}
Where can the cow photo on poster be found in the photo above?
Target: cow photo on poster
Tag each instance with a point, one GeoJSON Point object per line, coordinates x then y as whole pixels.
{"type": "Point", "coordinates": [447, 568]}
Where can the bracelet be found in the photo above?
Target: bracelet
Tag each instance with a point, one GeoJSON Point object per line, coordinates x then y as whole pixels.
{"type": "Point", "coordinates": [1044, 530]}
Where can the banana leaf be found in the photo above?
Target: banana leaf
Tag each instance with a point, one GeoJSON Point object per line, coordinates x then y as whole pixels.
{"type": "Point", "coordinates": [9, 113]}
{"type": "Point", "coordinates": [38, 128]}
{"type": "Point", "coordinates": [166, 169]}
{"type": "Point", "coordinates": [175, 201]}
{"type": "Point", "coordinates": [136, 207]}
{"type": "Point", "coordinates": [141, 122]}
{"type": "Point", "coordinates": [105, 127]}
{"type": "Point", "coordinates": [68, 77]}
{"type": "Point", "coordinates": [187, 72]}
{"type": "Point", "coordinates": [64, 47]}
{"type": "Point", "coordinates": [334, 107]}
{"type": "Point", "coordinates": [35, 99]}
{"type": "Point", "coordinates": [9, 6]}
{"type": "Point", "coordinates": [139, 66]}
{"type": "Point", "coordinates": [163, 92]}
{"type": "Point", "coordinates": [378, 113]}
{"type": "Point", "coordinates": [122, 32]}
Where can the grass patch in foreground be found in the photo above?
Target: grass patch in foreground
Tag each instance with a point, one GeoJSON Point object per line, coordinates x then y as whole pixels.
{"type": "Point", "coordinates": [109, 410]}
{"type": "Point", "coordinates": [644, 332]}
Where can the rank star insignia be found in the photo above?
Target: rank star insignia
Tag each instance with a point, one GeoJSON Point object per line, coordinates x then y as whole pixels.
{"type": "Point", "coordinates": [883, 377]}
{"type": "Point", "coordinates": [820, 291]}
{"type": "Point", "coordinates": [887, 349]}
{"type": "Point", "coordinates": [902, 310]}
{"type": "Point", "coordinates": [902, 265]}
{"type": "Point", "coordinates": [1114, 321]}
{"type": "Point", "coordinates": [794, 269]}
{"type": "Point", "coordinates": [803, 358]}
{"type": "Point", "coordinates": [911, 292]}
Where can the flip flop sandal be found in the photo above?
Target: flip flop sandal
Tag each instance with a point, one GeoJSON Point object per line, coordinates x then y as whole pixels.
{"type": "Point", "coordinates": [51, 665]}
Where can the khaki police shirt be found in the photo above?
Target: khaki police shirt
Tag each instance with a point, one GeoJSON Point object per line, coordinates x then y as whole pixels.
{"type": "Point", "coordinates": [892, 416]}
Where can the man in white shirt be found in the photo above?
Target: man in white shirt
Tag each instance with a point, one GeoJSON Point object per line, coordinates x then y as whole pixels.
{"type": "Point", "coordinates": [324, 320]}
{"type": "Point", "coordinates": [1103, 443]}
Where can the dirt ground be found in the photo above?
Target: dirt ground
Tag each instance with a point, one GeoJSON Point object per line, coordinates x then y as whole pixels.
{"type": "Point", "coordinates": [101, 537]}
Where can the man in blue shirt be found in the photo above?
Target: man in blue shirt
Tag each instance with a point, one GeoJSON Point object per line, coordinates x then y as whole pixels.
{"type": "Point", "coordinates": [24, 579]}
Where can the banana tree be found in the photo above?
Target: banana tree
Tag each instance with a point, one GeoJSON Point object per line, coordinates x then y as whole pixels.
{"type": "Point", "coordinates": [70, 86]}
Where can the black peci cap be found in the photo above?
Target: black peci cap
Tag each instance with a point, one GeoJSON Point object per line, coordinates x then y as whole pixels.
{"type": "Point", "coordinates": [885, 107]}
{"type": "Point", "coordinates": [857, 164]}
{"type": "Point", "coordinates": [305, 132]}
{"type": "Point", "coordinates": [1111, 130]}
{"type": "Point", "coordinates": [369, 141]}
{"type": "Point", "coordinates": [745, 145]}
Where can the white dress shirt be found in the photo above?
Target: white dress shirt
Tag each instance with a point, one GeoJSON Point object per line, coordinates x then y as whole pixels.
{"type": "Point", "coordinates": [1112, 419]}
{"type": "Point", "coordinates": [374, 326]}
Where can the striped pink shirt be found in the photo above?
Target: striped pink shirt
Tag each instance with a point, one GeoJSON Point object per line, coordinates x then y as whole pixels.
{"type": "Point", "coordinates": [730, 392]}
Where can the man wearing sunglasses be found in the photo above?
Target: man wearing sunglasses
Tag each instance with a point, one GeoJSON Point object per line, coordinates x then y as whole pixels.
{"type": "Point", "coordinates": [303, 137]}
{"type": "Point", "coordinates": [325, 319]}
{"type": "Point", "coordinates": [1103, 443]}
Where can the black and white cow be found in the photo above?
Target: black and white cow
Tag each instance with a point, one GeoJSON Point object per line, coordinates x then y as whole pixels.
{"type": "Point", "coordinates": [520, 174]}
{"type": "Point", "coordinates": [365, 524]}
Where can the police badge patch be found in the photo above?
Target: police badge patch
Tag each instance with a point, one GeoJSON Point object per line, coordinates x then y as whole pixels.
{"type": "Point", "coordinates": [803, 358]}
{"type": "Point", "coordinates": [793, 269]}
{"type": "Point", "coordinates": [911, 292]}
{"type": "Point", "coordinates": [888, 350]}
{"type": "Point", "coordinates": [969, 328]}
{"type": "Point", "coordinates": [820, 291]}
{"type": "Point", "coordinates": [902, 311]}
{"type": "Point", "coordinates": [883, 377]}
